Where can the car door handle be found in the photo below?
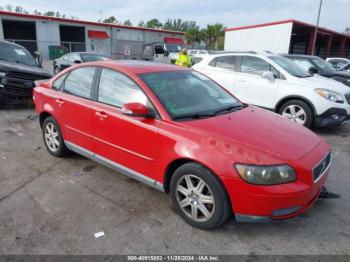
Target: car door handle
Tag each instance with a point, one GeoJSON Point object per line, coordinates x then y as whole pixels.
{"type": "Point", "coordinates": [101, 115]}
{"type": "Point", "coordinates": [59, 101]}
{"type": "Point", "coordinates": [242, 80]}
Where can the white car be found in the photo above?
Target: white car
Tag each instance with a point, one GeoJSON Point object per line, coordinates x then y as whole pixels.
{"type": "Point", "coordinates": [276, 83]}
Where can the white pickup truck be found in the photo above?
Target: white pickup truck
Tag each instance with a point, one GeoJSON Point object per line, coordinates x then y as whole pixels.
{"type": "Point", "coordinates": [161, 52]}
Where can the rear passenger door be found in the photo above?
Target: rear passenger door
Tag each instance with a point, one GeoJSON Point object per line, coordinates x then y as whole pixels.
{"type": "Point", "coordinates": [75, 103]}
{"type": "Point", "coordinates": [222, 70]}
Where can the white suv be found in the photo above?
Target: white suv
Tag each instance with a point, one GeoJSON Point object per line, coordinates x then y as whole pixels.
{"type": "Point", "coordinates": [276, 83]}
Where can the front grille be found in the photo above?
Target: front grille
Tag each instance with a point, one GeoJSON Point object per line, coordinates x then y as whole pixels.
{"type": "Point", "coordinates": [347, 96]}
{"type": "Point", "coordinates": [20, 84]}
{"type": "Point", "coordinates": [321, 168]}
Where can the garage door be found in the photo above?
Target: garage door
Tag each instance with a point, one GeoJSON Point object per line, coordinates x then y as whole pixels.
{"type": "Point", "coordinates": [21, 32]}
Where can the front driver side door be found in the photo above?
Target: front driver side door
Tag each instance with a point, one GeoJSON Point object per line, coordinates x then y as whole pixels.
{"type": "Point", "coordinates": [128, 142]}
{"type": "Point", "coordinates": [252, 88]}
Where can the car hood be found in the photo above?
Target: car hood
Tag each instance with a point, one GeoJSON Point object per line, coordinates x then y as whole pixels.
{"type": "Point", "coordinates": [6, 66]}
{"type": "Point", "coordinates": [342, 74]}
{"type": "Point", "coordinates": [259, 130]}
{"type": "Point", "coordinates": [318, 81]}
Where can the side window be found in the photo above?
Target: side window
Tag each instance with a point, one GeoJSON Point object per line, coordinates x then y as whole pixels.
{"type": "Point", "coordinates": [226, 62]}
{"type": "Point", "coordinates": [117, 89]}
{"type": "Point", "coordinates": [57, 84]}
{"type": "Point", "coordinates": [158, 49]}
{"type": "Point", "coordinates": [79, 82]}
{"type": "Point", "coordinates": [254, 65]}
{"type": "Point", "coordinates": [213, 62]}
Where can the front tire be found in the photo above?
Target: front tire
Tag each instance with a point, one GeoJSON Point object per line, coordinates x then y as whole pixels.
{"type": "Point", "coordinates": [53, 139]}
{"type": "Point", "coordinates": [199, 197]}
{"type": "Point", "coordinates": [297, 111]}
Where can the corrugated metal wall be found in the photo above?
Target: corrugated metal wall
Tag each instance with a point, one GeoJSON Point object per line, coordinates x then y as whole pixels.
{"type": "Point", "coordinates": [274, 38]}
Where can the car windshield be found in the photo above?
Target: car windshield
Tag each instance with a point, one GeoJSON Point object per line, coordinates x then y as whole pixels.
{"type": "Point", "coordinates": [322, 65]}
{"type": "Point", "coordinates": [93, 57]}
{"type": "Point", "coordinates": [173, 48]}
{"type": "Point", "coordinates": [16, 54]}
{"type": "Point", "coordinates": [190, 95]}
{"type": "Point", "coordinates": [290, 66]}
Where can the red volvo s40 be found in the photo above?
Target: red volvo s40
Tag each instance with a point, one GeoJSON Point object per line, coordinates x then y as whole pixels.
{"type": "Point", "coordinates": [178, 131]}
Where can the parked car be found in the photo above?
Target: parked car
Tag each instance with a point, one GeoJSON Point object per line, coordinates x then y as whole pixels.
{"type": "Point", "coordinates": [276, 83]}
{"type": "Point", "coordinates": [18, 71]}
{"type": "Point", "coordinates": [338, 62]}
{"type": "Point", "coordinates": [178, 131]}
{"type": "Point", "coordinates": [197, 55]}
{"type": "Point", "coordinates": [72, 58]}
{"type": "Point", "coordinates": [161, 52]}
{"type": "Point", "coordinates": [317, 65]}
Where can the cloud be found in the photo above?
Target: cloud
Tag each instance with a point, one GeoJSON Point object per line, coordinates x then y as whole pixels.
{"type": "Point", "coordinates": [229, 12]}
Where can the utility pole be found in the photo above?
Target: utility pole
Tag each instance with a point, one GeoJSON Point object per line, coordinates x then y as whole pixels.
{"type": "Point", "coordinates": [316, 30]}
{"type": "Point", "coordinates": [100, 15]}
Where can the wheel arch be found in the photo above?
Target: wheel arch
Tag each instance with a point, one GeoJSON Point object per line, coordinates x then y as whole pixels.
{"type": "Point", "coordinates": [175, 164]}
{"type": "Point", "coordinates": [294, 97]}
{"type": "Point", "coordinates": [43, 116]}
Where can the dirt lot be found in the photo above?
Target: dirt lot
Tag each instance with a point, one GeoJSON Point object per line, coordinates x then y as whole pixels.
{"type": "Point", "coordinates": [54, 206]}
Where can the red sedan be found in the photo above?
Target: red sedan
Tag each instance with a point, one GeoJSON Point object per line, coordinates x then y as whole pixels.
{"type": "Point", "coordinates": [178, 131]}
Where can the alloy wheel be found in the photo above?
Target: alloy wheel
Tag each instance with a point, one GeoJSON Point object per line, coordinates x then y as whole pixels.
{"type": "Point", "coordinates": [195, 198]}
{"type": "Point", "coordinates": [295, 113]}
{"type": "Point", "coordinates": [52, 137]}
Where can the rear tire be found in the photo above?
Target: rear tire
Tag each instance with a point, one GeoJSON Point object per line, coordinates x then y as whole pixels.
{"type": "Point", "coordinates": [199, 197]}
{"type": "Point", "coordinates": [53, 139]}
{"type": "Point", "coordinates": [297, 111]}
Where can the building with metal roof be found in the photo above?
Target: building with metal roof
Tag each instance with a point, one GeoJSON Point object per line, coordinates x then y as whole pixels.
{"type": "Point", "coordinates": [288, 36]}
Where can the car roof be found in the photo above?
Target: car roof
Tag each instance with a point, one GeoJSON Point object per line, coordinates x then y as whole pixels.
{"type": "Point", "coordinates": [138, 67]}
{"type": "Point", "coordinates": [300, 56]}
{"type": "Point", "coordinates": [10, 43]}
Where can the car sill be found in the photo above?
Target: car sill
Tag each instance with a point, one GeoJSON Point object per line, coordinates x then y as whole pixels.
{"type": "Point", "coordinates": [117, 167]}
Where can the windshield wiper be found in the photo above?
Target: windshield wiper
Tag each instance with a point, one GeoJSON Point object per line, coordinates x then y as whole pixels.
{"type": "Point", "coordinates": [193, 116]}
{"type": "Point", "coordinates": [228, 109]}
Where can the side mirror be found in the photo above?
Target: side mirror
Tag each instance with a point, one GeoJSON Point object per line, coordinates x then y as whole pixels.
{"type": "Point", "coordinates": [313, 70]}
{"type": "Point", "coordinates": [137, 110]}
{"type": "Point", "coordinates": [268, 75]}
{"type": "Point", "coordinates": [77, 62]}
{"type": "Point", "coordinates": [39, 58]}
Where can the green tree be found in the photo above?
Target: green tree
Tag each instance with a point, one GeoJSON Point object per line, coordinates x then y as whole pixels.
{"type": "Point", "coordinates": [347, 30]}
{"type": "Point", "coordinates": [154, 23]}
{"type": "Point", "coordinates": [193, 36]}
{"type": "Point", "coordinates": [141, 24]}
{"type": "Point", "coordinates": [127, 22]}
{"type": "Point", "coordinates": [110, 20]}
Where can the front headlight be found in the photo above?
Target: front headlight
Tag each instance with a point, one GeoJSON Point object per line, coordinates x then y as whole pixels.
{"type": "Point", "coordinates": [330, 95]}
{"type": "Point", "coordinates": [266, 175]}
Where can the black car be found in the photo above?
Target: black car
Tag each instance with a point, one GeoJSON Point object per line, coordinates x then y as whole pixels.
{"type": "Point", "coordinates": [18, 71]}
{"type": "Point", "coordinates": [317, 65]}
{"type": "Point", "coordinates": [75, 58]}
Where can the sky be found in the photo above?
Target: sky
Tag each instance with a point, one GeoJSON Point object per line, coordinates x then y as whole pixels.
{"type": "Point", "coordinates": [232, 13]}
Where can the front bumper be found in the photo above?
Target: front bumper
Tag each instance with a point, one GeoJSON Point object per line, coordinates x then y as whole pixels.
{"type": "Point", "coordinates": [332, 117]}
{"type": "Point", "coordinates": [254, 203]}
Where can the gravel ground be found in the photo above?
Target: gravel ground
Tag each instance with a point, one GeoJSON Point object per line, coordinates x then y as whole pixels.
{"type": "Point", "coordinates": [55, 206]}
